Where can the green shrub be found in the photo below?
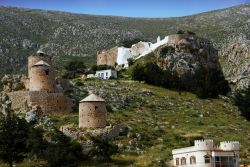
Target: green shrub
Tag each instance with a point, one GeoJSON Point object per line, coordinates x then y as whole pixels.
{"type": "Point", "coordinates": [101, 67]}
{"type": "Point", "coordinates": [79, 82]}
{"type": "Point", "coordinates": [61, 151]}
{"type": "Point", "coordinates": [131, 61]}
{"type": "Point", "coordinates": [130, 42]}
{"type": "Point", "coordinates": [13, 136]}
{"type": "Point", "coordinates": [102, 149]}
{"type": "Point", "coordinates": [204, 83]}
{"type": "Point", "coordinates": [242, 100]}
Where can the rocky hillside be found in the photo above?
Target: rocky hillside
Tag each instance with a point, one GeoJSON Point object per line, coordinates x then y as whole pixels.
{"type": "Point", "coordinates": [69, 36]}
{"type": "Point", "coordinates": [235, 59]}
{"type": "Point", "coordinates": [160, 120]}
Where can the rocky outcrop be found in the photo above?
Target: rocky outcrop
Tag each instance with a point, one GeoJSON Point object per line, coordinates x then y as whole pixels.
{"type": "Point", "coordinates": [235, 59]}
{"type": "Point", "coordinates": [106, 133]}
{"type": "Point", "coordinates": [187, 53]}
{"type": "Point", "coordinates": [14, 83]}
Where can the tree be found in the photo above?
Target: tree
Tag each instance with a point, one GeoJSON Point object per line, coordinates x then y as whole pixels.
{"type": "Point", "coordinates": [13, 136]}
{"type": "Point", "coordinates": [35, 142]}
{"type": "Point", "coordinates": [128, 43]}
{"type": "Point", "coordinates": [209, 83]}
{"type": "Point", "coordinates": [74, 68]}
{"type": "Point", "coordinates": [62, 151]}
{"type": "Point", "coordinates": [190, 32]}
{"type": "Point", "coordinates": [130, 61]}
{"type": "Point", "coordinates": [242, 100]}
{"type": "Point", "coordinates": [180, 32]}
{"type": "Point", "coordinates": [102, 149]}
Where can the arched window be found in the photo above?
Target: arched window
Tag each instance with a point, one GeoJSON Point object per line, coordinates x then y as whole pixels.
{"type": "Point", "coordinates": [207, 159]}
{"type": "Point", "coordinates": [177, 161]}
{"type": "Point", "coordinates": [183, 161]}
{"type": "Point", "coordinates": [192, 160]}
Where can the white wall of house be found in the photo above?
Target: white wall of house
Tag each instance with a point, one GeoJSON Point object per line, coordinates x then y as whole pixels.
{"type": "Point", "coordinates": [203, 150]}
{"type": "Point", "coordinates": [106, 74]}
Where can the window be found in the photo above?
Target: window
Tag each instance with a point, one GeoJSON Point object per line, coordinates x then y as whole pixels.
{"type": "Point", "coordinates": [192, 160]}
{"type": "Point", "coordinates": [207, 159]}
{"type": "Point", "coordinates": [106, 73]}
{"type": "Point", "coordinates": [177, 161]}
{"type": "Point", "coordinates": [46, 72]}
{"type": "Point", "coordinates": [183, 161]}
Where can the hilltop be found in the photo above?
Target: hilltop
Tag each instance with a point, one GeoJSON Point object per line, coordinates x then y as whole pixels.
{"type": "Point", "coordinates": [69, 36]}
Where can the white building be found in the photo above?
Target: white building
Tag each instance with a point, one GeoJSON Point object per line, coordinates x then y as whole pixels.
{"type": "Point", "coordinates": [106, 74]}
{"type": "Point", "coordinates": [123, 55]}
{"type": "Point", "coordinates": [204, 154]}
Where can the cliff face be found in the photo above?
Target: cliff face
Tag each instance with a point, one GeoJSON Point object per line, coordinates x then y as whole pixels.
{"type": "Point", "coordinates": [186, 53]}
{"type": "Point", "coordinates": [236, 63]}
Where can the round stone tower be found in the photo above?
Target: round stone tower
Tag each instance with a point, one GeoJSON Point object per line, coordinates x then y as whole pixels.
{"type": "Point", "coordinates": [42, 77]}
{"type": "Point", "coordinates": [92, 112]}
{"type": "Point", "coordinates": [40, 55]}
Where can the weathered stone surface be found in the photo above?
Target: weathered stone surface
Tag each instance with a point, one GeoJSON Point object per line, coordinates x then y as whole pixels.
{"type": "Point", "coordinates": [139, 48]}
{"type": "Point", "coordinates": [13, 82]}
{"type": "Point", "coordinates": [50, 103]}
{"type": "Point", "coordinates": [235, 58]}
{"type": "Point", "coordinates": [34, 114]}
{"type": "Point", "coordinates": [189, 53]}
{"type": "Point", "coordinates": [108, 57]}
{"type": "Point", "coordinates": [109, 132]}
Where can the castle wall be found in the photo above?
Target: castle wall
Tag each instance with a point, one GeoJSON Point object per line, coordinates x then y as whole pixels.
{"type": "Point", "coordinates": [50, 103]}
{"type": "Point", "coordinates": [139, 48]}
{"type": "Point", "coordinates": [42, 79]}
{"type": "Point", "coordinates": [19, 99]}
{"type": "Point", "coordinates": [108, 57]}
{"type": "Point", "coordinates": [92, 114]}
{"type": "Point", "coordinates": [35, 59]}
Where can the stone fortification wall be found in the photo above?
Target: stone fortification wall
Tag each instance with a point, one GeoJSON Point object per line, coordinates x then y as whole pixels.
{"type": "Point", "coordinates": [50, 103]}
{"type": "Point", "coordinates": [19, 99]}
{"type": "Point", "coordinates": [139, 48]}
{"type": "Point", "coordinates": [108, 57]}
{"type": "Point", "coordinates": [92, 114]}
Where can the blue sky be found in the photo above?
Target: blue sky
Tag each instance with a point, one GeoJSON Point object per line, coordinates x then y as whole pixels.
{"type": "Point", "coordinates": [130, 8]}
